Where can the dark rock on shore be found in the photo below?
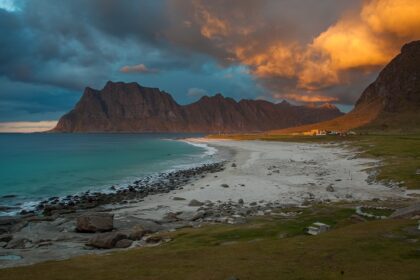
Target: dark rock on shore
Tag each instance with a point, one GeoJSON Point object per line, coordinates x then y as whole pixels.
{"type": "Point", "coordinates": [106, 240]}
{"type": "Point", "coordinates": [95, 222]}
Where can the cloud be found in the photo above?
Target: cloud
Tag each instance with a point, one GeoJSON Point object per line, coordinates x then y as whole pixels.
{"type": "Point", "coordinates": [362, 39]}
{"type": "Point", "coordinates": [326, 49]}
{"type": "Point", "coordinates": [27, 127]}
{"type": "Point", "coordinates": [308, 98]}
{"type": "Point", "coordinates": [139, 68]}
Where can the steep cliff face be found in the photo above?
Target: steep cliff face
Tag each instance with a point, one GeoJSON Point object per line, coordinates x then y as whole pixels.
{"type": "Point", "coordinates": [397, 88]}
{"type": "Point", "coordinates": [391, 102]}
{"type": "Point", "coordinates": [129, 107]}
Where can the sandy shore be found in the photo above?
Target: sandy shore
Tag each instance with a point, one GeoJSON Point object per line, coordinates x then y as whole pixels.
{"type": "Point", "coordinates": [257, 176]}
{"type": "Point", "coordinates": [280, 172]}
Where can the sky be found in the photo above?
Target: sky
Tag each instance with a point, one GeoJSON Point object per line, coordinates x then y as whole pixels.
{"type": "Point", "coordinates": [305, 51]}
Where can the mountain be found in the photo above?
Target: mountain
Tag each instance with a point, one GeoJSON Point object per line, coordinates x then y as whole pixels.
{"type": "Point", "coordinates": [390, 103]}
{"type": "Point", "coordinates": [129, 107]}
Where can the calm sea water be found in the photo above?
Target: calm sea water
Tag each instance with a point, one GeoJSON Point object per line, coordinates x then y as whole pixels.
{"type": "Point", "coordinates": [36, 166]}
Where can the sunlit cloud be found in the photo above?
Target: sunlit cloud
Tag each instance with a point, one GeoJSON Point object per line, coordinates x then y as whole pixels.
{"type": "Point", "coordinates": [27, 127]}
{"type": "Point", "coordinates": [139, 68]}
{"type": "Point", "coordinates": [307, 98]}
{"type": "Point", "coordinates": [362, 40]}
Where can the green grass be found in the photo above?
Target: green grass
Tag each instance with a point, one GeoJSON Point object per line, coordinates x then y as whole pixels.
{"type": "Point", "coordinates": [258, 250]}
{"type": "Point", "coordinates": [378, 212]}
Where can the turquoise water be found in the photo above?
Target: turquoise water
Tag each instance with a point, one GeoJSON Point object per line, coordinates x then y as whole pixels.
{"type": "Point", "coordinates": [37, 166]}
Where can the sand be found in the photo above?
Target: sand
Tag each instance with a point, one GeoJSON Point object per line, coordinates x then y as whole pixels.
{"type": "Point", "coordinates": [287, 173]}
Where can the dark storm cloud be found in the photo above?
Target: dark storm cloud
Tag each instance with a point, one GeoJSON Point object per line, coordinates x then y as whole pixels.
{"type": "Point", "coordinates": [284, 48]}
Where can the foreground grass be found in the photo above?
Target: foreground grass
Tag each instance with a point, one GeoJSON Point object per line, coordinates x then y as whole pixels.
{"type": "Point", "coordinates": [400, 154]}
{"type": "Point", "coordinates": [266, 248]}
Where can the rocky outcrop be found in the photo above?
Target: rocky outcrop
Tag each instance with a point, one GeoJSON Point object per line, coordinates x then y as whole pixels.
{"type": "Point", "coordinates": [95, 222]}
{"type": "Point", "coordinates": [129, 107]}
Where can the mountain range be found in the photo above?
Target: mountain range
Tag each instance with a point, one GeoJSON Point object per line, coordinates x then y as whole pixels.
{"type": "Point", "coordinates": [129, 107]}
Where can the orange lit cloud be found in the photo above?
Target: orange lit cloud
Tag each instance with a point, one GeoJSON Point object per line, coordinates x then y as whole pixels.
{"type": "Point", "coordinates": [307, 98]}
{"type": "Point", "coordinates": [362, 40]}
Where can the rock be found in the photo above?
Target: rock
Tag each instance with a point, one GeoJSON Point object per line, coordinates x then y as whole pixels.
{"type": "Point", "coordinates": [7, 221]}
{"type": "Point", "coordinates": [178, 198]}
{"type": "Point", "coordinates": [195, 203]}
{"type": "Point", "coordinates": [106, 240]}
{"type": "Point", "coordinates": [191, 216]}
{"type": "Point", "coordinates": [149, 226]}
{"type": "Point", "coordinates": [224, 185]}
{"type": "Point", "coordinates": [136, 232]}
{"type": "Point", "coordinates": [407, 212]}
{"type": "Point", "coordinates": [123, 243]}
{"type": "Point", "coordinates": [241, 201]}
{"type": "Point", "coordinates": [233, 164]}
{"type": "Point", "coordinates": [154, 239]}
{"type": "Point", "coordinates": [6, 237]}
{"type": "Point", "coordinates": [19, 243]}
{"type": "Point", "coordinates": [330, 188]}
{"type": "Point", "coordinates": [95, 222]}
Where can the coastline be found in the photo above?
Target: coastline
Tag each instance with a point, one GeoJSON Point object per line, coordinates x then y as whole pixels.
{"type": "Point", "coordinates": [257, 177]}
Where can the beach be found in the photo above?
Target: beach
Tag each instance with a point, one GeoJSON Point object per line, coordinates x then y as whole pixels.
{"type": "Point", "coordinates": [252, 178]}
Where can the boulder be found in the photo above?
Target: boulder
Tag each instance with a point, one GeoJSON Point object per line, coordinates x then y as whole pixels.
{"type": "Point", "coordinates": [106, 240]}
{"type": "Point", "coordinates": [195, 203]}
{"type": "Point", "coordinates": [95, 222]}
{"type": "Point", "coordinates": [123, 243]}
{"type": "Point", "coordinates": [224, 185]}
{"type": "Point", "coordinates": [136, 232]}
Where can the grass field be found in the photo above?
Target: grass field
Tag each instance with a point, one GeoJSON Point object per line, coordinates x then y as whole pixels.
{"type": "Point", "coordinates": [266, 248]}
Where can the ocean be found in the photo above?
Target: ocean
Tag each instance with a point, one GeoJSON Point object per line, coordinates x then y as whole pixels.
{"type": "Point", "coordinates": [34, 167]}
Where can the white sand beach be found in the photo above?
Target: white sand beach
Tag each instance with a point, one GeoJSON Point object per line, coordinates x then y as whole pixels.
{"type": "Point", "coordinates": [279, 172]}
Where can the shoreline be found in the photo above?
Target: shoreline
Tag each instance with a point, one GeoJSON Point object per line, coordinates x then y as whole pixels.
{"type": "Point", "coordinates": [257, 178]}
{"type": "Point", "coordinates": [36, 206]}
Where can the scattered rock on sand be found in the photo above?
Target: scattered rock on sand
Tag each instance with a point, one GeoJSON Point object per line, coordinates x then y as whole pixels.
{"type": "Point", "coordinates": [195, 203]}
{"type": "Point", "coordinates": [106, 240]}
{"type": "Point", "coordinates": [330, 188]}
{"type": "Point", "coordinates": [95, 222]}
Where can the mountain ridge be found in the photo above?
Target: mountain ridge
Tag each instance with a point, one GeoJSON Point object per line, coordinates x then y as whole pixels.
{"type": "Point", "coordinates": [130, 107]}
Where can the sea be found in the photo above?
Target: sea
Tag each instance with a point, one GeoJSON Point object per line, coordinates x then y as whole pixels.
{"type": "Point", "coordinates": [37, 166]}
